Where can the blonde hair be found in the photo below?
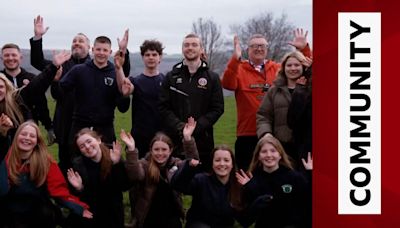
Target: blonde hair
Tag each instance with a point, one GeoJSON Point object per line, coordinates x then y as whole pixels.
{"type": "Point", "coordinates": [281, 78]}
{"type": "Point", "coordinates": [39, 160]}
{"type": "Point", "coordinates": [9, 104]}
{"type": "Point", "coordinates": [255, 162]}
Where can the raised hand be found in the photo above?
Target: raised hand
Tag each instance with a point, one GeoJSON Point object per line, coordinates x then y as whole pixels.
{"type": "Point", "coordinates": [5, 124]}
{"type": "Point", "coordinates": [127, 87]}
{"type": "Point", "coordinates": [243, 177]}
{"type": "Point", "coordinates": [123, 43]}
{"type": "Point", "coordinates": [58, 74]}
{"type": "Point", "coordinates": [127, 139]}
{"type": "Point", "coordinates": [115, 152]}
{"type": "Point", "coordinates": [300, 39]}
{"type": "Point", "coordinates": [60, 57]}
{"type": "Point", "coordinates": [237, 50]}
{"type": "Point", "coordinates": [188, 129]}
{"type": "Point", "coordinates": [119, 59]}
{"type": "Point", "coordinates": [75, 179]}
{"type": "Point", "coordinates": [307, 62]}
{"type": "Point", "coordinates": [38, 27]}
{"type": "Point", "coordinates": [302, 80]}
{"type": "Point", "coordinates": [87, 214]}
{"type": "Point", "coordinates": [194, 162]}
{"type": "Point", "coordinates": [308, 165]}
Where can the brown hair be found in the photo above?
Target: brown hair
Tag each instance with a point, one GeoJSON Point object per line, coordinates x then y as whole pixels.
{"type": "Point", "coordinates": [152, 45]}
{"type": "Point", "coordinates": [105, 162]}
{"type": "Point", "coordinates": [39, 160]}
{"type": "Point", "coordinates": [154, 169]}
{"type": "Point", "coordinates": [234, 193]}
{"type": "Point", "coordinates": [10, 45]}
{"type": "Point", "coordinates": [255, 162]}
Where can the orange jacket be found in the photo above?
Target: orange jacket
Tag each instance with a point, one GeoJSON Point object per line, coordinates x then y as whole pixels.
{"type": "Point", "coordinates": [248, 83]}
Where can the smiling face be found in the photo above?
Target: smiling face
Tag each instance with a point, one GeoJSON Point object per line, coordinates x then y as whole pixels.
{"type": "Point", "coordinates": [257, 50]}
{"type": "Point", "coordinates": [293, 68]}
{"type": "Point", "coordinates": [27, 140]}
{"type": "Point", "coordinates": [160, 152]}
{"type": "Point", "coordinates": [191, 48]}
{"type": "Point", "coordinates": [11, 58]}
{"type": "Point", "coordinates": [269, 157]}
{"type": "Point", "coordinates": [80, 46]}
{"type": "Point", "coordinates": [89, 146]}
{"type": "Point", "coordinates": [101, 53]}
{"type": "Point", "coordinates": [222, 163]}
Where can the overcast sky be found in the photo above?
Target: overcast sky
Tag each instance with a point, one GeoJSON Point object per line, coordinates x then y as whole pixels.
{"type": "Point", "coordinates": [166, 20]}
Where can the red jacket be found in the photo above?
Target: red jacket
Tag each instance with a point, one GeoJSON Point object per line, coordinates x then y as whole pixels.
{"type": "Point", "coordinates": [241, 77]}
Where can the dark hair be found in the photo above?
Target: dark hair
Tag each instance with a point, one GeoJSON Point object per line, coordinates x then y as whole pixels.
{"type": "Point", "coordinates": [234, 194]}
{"type": "Point", "coordinates": [105, 162]}
{"type": "Point", "coordinates": [152, 45]}
{"type": "Point", "coordinates": [154, 170]}
{"type": "Point", "coordinates": [10, 45]}
{"type": "Point", "coordinates": [102, 40]}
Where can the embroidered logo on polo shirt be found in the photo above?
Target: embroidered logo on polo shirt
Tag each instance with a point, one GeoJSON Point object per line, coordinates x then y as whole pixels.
{"type": "Point", "coordinates": [287, 188]}
{"type": "Point", "coordinates": [178, 80]}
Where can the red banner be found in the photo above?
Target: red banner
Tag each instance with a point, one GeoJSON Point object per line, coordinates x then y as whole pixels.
{"type": "Point", "coordinates": [326, 96]}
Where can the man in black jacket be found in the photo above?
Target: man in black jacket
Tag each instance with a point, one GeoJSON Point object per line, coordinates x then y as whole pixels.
{"type": "Point", "coordinates": [12, 57]}
{"type": "Point", "coordinates": [65, 99]}
{"type": "Point", "coordinates": [192, 90]}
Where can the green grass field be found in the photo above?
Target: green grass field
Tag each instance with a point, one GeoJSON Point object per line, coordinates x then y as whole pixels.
{"type": "Point", "coordinates": [224, 133]}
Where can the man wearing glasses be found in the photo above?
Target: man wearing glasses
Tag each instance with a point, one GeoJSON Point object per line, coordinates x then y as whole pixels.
{"type": "Point", "coordinates": [250, 79]}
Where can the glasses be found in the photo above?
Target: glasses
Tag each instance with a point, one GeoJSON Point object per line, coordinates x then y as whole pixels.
{"type": "Point", "coordinates": [257, 46]}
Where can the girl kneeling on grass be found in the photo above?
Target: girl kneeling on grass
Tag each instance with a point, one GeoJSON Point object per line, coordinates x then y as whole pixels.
{"type": "Point", "coordinates": [29, 178]}
{"type": "Point", "coordinates": [99, 177]}
{"type": "Point", "coordinates": [157, 204]}
{"type": "Point", "coordinates": [275, 193]}
{"type": "Point", "coordinates": [215, 195]}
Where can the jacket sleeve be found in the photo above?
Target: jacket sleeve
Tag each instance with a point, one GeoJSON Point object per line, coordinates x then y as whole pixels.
{"type": "Point", "coordinates": [127, 64]}
{"type": "Point", "coordinates": [134, 166]}
{"type": "Point", "coordinates": [40, 83]}
{"type": "Point", "coordinates": [229, 78]}
{"type": "Point", "coordinates": [215, 109]}
{"type": "Point", "coordinates": [170, 120]}
{"type": "Point", "coordinates": [183, 179]}
{"type": "Point", "coordinates": [190, 149]}
{"type": "Point", "coordinates": [265, 115]}
{"type": "Point", "coordinates": [37, 58]}
{"type": "Point", "coordinates": [120, 177]}
{"type": "Point", "coordinates": [123, 103]}
{"type": "Point", "coordinates": [298, 105]}
{"type": "Point", "coordinates": [58, 189]}
{"type": "Point", "coordinates": [68, 81]}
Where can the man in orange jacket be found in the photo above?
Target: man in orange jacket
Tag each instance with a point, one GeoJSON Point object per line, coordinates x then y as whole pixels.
{"type": "Point", "coordinates": [250, 79]}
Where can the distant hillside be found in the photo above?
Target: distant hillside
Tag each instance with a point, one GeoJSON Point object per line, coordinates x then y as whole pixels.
{"type": "Point", "coordinates": [136, 62]}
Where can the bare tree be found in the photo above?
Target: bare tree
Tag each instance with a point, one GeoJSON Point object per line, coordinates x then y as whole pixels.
{"type": "Point", "coordinates": [278, 32]}
{"type": "Point", "coordinates": [210, 35]}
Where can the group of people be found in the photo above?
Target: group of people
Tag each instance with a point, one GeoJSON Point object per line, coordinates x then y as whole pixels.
{"type": "Point", "coordinates": [170, 149]}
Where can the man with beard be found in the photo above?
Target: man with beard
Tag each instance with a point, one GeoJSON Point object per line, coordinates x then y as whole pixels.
{"type": "Point", "coordinates": [65, 99]}
{"type": "Point", "coordinates": [192, 90]}
{"type": "Point", "coordinates": [12, 58]}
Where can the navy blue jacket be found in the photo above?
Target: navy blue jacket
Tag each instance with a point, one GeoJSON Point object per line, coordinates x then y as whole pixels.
{"type": "Point", "coordinates": [210, 201]}
{"type": "Point", "coordinates": [96, 93]}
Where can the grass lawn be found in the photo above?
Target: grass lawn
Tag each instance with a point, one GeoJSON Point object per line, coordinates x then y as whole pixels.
{"type": "Point", "coordinates": [224, 133]}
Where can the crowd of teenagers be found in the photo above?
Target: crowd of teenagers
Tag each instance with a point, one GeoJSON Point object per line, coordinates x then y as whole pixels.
{"type": "Point", "coordinates": [170, 151]}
